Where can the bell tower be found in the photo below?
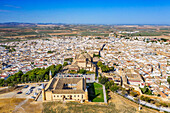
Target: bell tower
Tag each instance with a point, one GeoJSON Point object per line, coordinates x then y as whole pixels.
{"type": "Point", "coordinates": [50, 75]}
{"type": "Point", "coordinates": [43, 93]}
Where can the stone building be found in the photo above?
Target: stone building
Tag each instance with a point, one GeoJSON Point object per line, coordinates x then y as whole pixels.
{"type": "Point", "coordinates": [82, 61]}
{"type": "Point", "coordinates": [66, 89]}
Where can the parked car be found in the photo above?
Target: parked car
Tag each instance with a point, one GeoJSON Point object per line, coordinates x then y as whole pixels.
{"type": "Point", "coordinates": [26, 86]}
{"type": "Point", "coordinates": [19, 92]}
{"type": "Point", "coordinates": [27, 93]}
{"type": "Point", "coordinates": [32, 87]}
{"type": "Point", "coordinates": [35, 94]}
{"type": "Point", "coordinates": [32, 97]}
{"type": "Point", "coordinates": [30, 90]}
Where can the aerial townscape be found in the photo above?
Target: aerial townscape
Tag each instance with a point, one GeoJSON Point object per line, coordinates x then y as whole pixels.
{"type": "Point", "coordinates": [86, 68]}
{"type": "Point", "coordinates": [73, 56]}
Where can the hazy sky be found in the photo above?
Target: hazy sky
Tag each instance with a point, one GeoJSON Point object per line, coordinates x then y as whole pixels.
{"type": "Point", "coordinates": [86, 11]}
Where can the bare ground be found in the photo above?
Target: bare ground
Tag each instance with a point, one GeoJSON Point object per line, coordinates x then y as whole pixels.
{"type": "Point", "coordinates": [9, 106]}
{"type": "Point", "coordinates": [123, 103]}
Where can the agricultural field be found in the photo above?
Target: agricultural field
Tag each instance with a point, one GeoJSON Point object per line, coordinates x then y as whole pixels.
{"type": "Point", "coordinates": [144, 34]}
{"type": "Point", "coordinates": [94, 34]}
{"type": "Point", "coordinates": [10, 32]}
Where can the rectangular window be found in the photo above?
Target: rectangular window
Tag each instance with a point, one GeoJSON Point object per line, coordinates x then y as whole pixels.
{"type": "Point", "coordinates": [77, 95]}
{"type": "Point", "coordinates": [74, 95]}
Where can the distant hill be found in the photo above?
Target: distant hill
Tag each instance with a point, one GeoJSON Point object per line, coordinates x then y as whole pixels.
{"type": "Point", "coordinates": [16, 24]}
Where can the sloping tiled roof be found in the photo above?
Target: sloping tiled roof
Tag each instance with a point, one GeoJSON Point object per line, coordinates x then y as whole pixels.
{"type": "Point", "coordinates": [57, 86]}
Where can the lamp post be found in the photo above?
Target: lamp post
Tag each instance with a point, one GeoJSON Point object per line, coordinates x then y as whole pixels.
{"type": "Point", "coordinates": [139, 104]}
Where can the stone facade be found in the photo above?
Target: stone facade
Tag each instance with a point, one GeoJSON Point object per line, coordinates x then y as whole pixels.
{"type": "Point", "coordinates": [82, 61]}
{"type": "Point", "coordinates": [66, 89]}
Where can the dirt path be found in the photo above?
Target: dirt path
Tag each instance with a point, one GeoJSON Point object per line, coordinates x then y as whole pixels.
{"type": "Point", "coordinates": [20, 104]}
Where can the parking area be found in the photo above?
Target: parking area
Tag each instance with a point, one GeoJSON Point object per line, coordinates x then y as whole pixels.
{"type": "Point", "coordinates": [28, 91]}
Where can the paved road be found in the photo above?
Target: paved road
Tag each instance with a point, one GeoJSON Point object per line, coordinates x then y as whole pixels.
{"type": "Point", "coordinates": [104, 92]}
{"type": "Point", "coordinates": [23, 95]}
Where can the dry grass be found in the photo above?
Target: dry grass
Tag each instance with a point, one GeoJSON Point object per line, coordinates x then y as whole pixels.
{"type": "Point", "coordinates": [8, 106]}
{"type": "Point", "coordinates": [123, 103]}
{"type": "Point", "coordinates": [30, 107]}
{"type": "Point", "coordinates": [75, 107]}
{"type": "Point", "coordinates": [117, 104]}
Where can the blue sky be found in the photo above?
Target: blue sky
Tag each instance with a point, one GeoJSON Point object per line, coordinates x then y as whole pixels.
{"type": "Point", "coordinates": [86, 11]}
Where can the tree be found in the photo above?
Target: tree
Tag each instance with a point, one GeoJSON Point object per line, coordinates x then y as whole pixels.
{"type": "Point", "coordinates": [142, 97]}
{"type": "Point", "coordinates": [111, 68]}
{"type": "Point", "coordinates": [13, 49]}
{"type": "Point", "coordinates": [152, 102]}
{"type": "Point", "coordinates": [105, 68]}
{"type": "Point", "coordinates": [147, 99]}
{"type": "Point", "coordinates": [157, 104]}
{"type": "Point", "coordinates": [2, 82]}
{"type": "Point", "coordinates": [164, 104]}
{"type": "Point", "coordinates": [58, 68]}
{"type": "Point", "coordinates": [50, 51]}
{"type": "Point", "coordinates": [103, 80]}
{"type": "Point", "coordinates": [146, 90]}
{"type": "Point", "coordinates": [99, 64]}
{"type": "Point", "coordinates": [46, 77]}
{"type": "Point", "coordinates": [65, 63]}
{"type": "Point", "coordinates": [136, 99]}
{"type": "Point", "coordinates": [114, 88]}
{"type": "Point", "coordinates": [18, 80]}
{"type": "Point", "coordinates": [168, 80]}
{"type": "Point", "coordinates": [82, 71]}
{"type": "Point", "coordinates": [134, 94]}
{"type": "Point", "coordinates": [19, 74]}
{"type": "Point", "coordinates": [38, 74]}
{"type": "Point", "coordinates": [109, 84]}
